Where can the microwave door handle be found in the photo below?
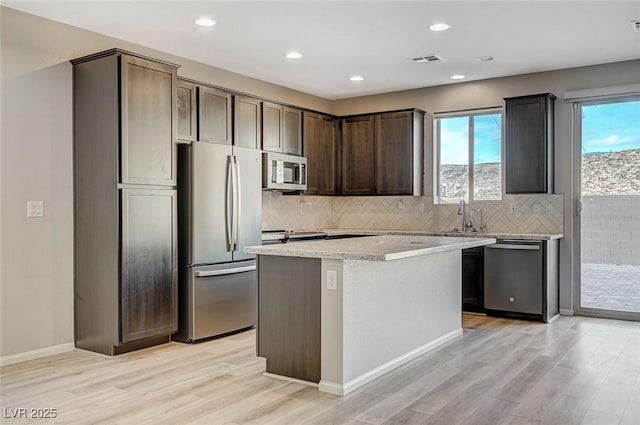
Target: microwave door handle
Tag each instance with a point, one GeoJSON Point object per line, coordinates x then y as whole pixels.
{"type": "Point", "coordinates": [229, 204]}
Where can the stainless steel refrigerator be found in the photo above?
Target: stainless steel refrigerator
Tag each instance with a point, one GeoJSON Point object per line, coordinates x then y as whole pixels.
{"type": "Point", "coordinates": [219, 213]}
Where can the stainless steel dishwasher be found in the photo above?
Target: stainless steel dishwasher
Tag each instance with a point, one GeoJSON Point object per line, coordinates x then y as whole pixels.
{"type": "Point", "coordinates": [514, 282]}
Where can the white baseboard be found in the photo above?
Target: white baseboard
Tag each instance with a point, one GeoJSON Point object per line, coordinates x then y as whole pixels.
{"type": "Point", "coordinates": [566, 312]}
{"type": "Point", "coordinates": [344, 389]}
{"type": "Point", "coordinates": [36, 354]}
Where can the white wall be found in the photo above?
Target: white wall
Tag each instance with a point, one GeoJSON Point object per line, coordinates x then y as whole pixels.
{"type": "Point", "coordinates": [37, 253]}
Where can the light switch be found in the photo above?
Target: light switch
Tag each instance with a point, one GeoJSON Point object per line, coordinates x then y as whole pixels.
{"type": "Point", "coordinates": [35, 209]}
{"type": "Point", "coordinates": [332, 280]}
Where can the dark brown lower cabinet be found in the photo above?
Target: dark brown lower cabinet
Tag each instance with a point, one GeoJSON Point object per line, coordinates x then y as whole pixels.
{"type": "Point", "coordinates": [149, 264]}
{"type": "Point", "coordinates": [473, 280]}
{"type": "Point", "coordinates": [125, 270]}
{"type": "Point", "coordinates": [289, 315]}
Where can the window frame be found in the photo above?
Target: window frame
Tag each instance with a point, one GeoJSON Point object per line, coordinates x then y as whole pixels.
{"type": "Point", "coordinates": [471, 114]}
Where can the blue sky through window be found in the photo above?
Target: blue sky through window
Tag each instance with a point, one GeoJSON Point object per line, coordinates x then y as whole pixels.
{"type": "Point", "coordinates": [610, 127]}
{"type": "Point", "coordinates": [455, 139]}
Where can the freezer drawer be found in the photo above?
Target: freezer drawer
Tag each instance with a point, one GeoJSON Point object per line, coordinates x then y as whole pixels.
{"type": "Point", "coordinates": [513, 277]}
{"type": "Point", "coordinates": [222, 298]}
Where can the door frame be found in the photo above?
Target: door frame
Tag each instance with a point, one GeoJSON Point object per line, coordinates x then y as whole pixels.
{"type": "Point", "coordinates": [577, 227]}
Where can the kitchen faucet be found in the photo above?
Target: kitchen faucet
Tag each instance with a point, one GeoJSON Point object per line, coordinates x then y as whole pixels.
{"type": "Point", "coordinates": [462, 210]}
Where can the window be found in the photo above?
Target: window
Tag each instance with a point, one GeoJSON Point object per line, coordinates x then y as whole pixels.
{"type": "Point", "coordinates": [469, 156]}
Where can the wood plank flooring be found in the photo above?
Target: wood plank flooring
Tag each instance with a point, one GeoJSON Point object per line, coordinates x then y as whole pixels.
{"type": "Point", "coordinates": [576, 370]}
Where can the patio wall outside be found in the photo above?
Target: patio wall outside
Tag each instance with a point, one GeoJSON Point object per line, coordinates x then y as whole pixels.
{"type": "Point", "coordinates": [611, 229]}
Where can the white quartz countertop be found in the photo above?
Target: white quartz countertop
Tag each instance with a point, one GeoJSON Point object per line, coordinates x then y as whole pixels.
{"type": "Point", "coordinates": [498, 235]}
{"type": "Point", "coordinates": [371, 248]}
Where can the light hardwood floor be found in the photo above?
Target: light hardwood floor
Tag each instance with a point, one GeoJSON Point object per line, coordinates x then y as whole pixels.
{"type": "Point", "coordinates": [572, 371]}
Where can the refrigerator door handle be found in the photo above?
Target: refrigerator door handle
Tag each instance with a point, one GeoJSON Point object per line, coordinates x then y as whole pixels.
{"type": "Point", "coordinates": [238, 206]}
{"type": "Point", "coordinates": [223, 272]}
{"type": "Point", "coordinates": [229, 204]}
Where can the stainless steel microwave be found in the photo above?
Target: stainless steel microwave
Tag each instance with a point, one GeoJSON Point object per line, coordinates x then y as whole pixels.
{"type": "Point", "coordinates": [284, 172]}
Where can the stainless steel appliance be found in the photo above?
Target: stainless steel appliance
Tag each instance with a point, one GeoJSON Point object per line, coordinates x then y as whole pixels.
{"type": "Point", "coordinates": [513, 277]}
{"type": "Point", "coordinates": [284, 172]}
{"type": "Point", "coordinates": [220, 207]}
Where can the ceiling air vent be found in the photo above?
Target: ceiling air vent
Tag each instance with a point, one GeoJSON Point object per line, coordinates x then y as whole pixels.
{"type": "Point", "coordinates": [635, 26]}
{"type": "Point", "coordinates": [428, 59]}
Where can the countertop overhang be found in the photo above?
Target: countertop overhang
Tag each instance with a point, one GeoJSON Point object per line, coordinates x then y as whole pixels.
{"type": "Point", "coordinates": [372, 248]}
{"type": "Point", "coordinates": [369, 232]}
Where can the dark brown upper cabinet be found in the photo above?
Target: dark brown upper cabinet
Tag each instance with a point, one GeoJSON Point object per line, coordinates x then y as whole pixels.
{"type": "Point", "coordinates": [281, 129]}
{"type": "Point", "coordinates": [292, 131]}
{"type": "Point", "coordinates": [187, 111]}
{"type": "Point", "coordinates": [358, 150]}
{"type": "Point", "coordinates": [147, 122]}
{"type": "Point", "coordinates": [529, 144]}
{"type": "Point", "coordinates": [214, 123]}
{"type": "Point", "coordinates": [247, 122]}
{"type": "Point", "coordinates": [272, 127]}
{"type": "Point", "coordinates": [382, 153]}
{"type": "Point", "coordinates": [399, 153]}
{"type": "Point", "coordinates": [320, 148]}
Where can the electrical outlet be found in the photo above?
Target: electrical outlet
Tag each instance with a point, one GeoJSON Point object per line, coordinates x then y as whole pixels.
{"type": "Point", "coordinates": [332, 280]}
{"type": "Point", "coordinates": [305, 208]}
{"type": "Point", "coordinates": [514, 208]}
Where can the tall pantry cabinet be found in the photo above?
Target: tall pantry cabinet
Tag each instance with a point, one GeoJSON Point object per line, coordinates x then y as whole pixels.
{"type": "Point", "coordinates": [124, 201]}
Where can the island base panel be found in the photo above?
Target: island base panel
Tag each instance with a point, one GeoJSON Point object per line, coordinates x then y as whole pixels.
{"type": "Point", "coordinates": [289, 316]}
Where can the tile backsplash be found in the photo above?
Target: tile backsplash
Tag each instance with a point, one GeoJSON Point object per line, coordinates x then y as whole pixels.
{"type": "Point", "coordinates": [515, 213]}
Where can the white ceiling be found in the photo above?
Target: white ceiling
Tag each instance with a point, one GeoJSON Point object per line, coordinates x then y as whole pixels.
{"type": "Point", "coordinates": [371, 38]}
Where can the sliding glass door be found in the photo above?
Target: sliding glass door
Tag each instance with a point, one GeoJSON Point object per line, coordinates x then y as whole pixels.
{"type": "Point", "coordinates": [608, 222]}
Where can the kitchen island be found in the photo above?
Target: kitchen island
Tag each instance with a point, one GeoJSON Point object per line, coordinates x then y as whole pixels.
{"type": "Point", "coordinates": [340, 313]}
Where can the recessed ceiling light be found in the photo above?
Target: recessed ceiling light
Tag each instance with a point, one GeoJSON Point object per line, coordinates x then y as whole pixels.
{"type": "Point", "coordinates": [457, 77]}
{"type": "Point", "coordinates": [439, 27]}
{"type": "Point", "coordinates": [485, 58]}
{"type": "Point", "coordinates": [356, 78]}
{"type": "Point", "coordinates": [293, 55]}
{"type": "Point", "coordinates": [205, 22]}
